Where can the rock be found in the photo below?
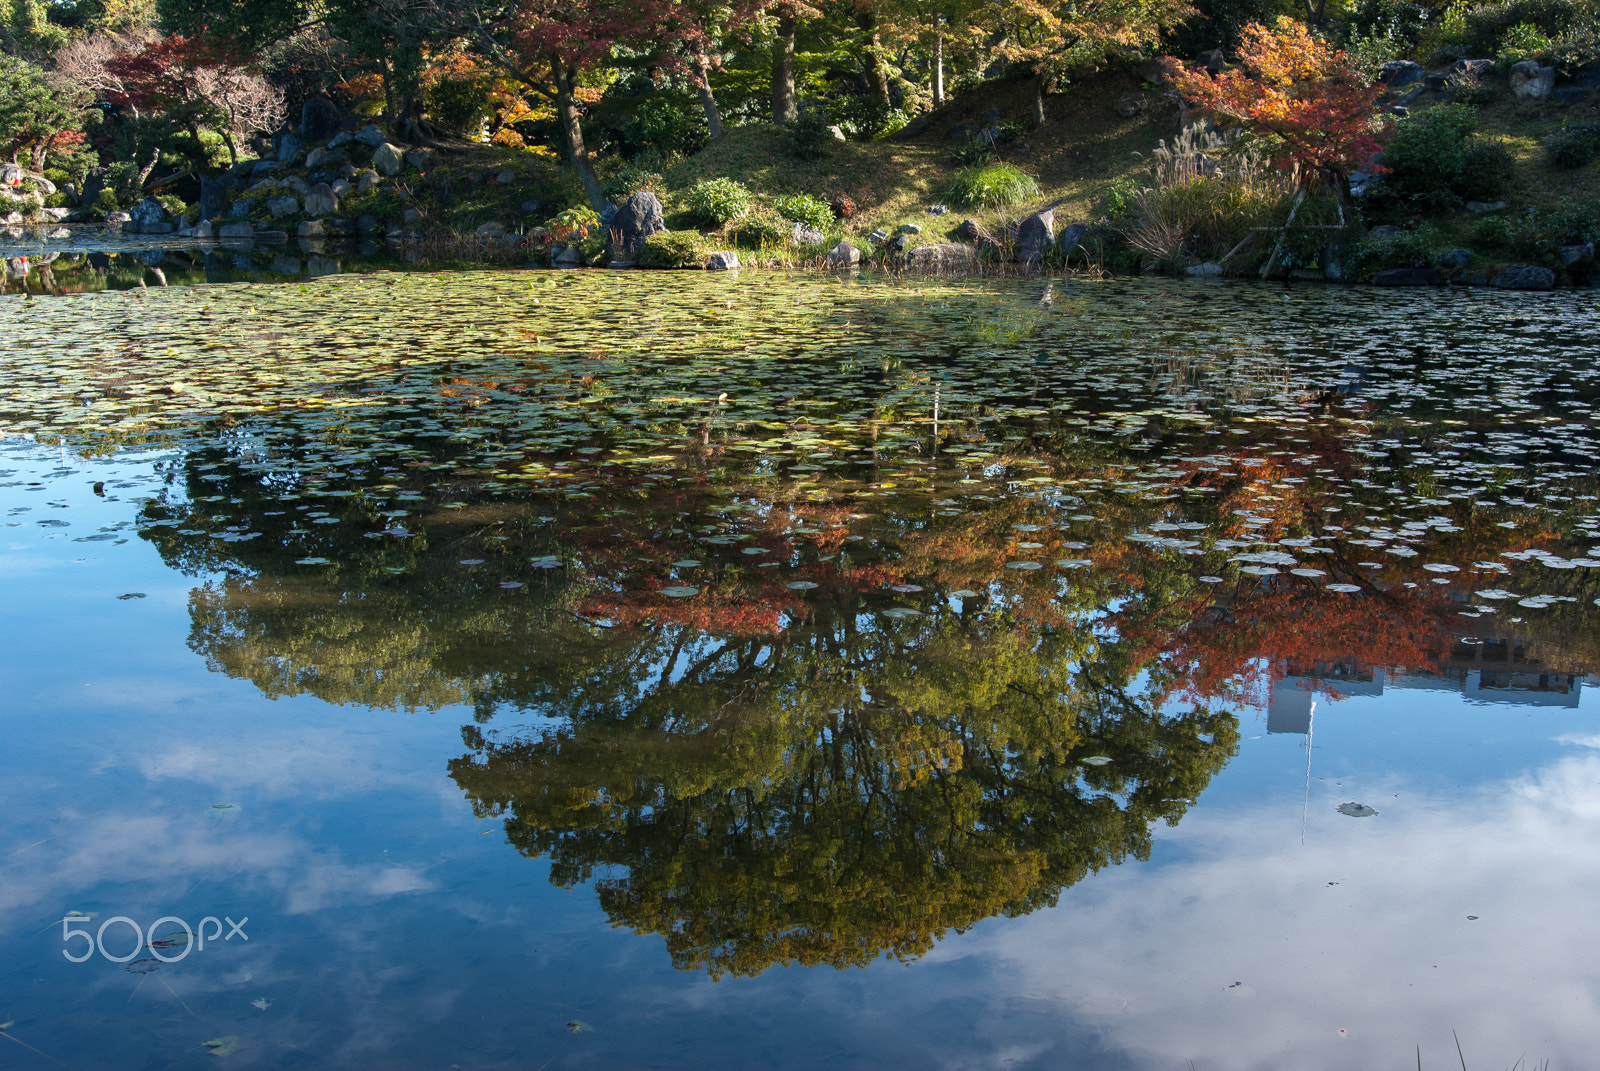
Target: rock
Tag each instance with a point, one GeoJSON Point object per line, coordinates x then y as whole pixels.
{"type": "Point", "coordinates": [319, 119]}
{"type": "Point", "coordinates": [938, 210]}
{"type": "Point", "coordinates": [118, 216]}
{"type": "Point", "coordinates": [1485, 207]}
{"type": "Point", "coordinates": [93, 183]}
{"type": "Point", "coordinates": [963, 131]}
{"type": "Point", "coordinates": [532, 207]}
{"type": "Point", "coordinates": [1407, 277]}
{"type": "Point", "coordinates": [1472, 68]}
{"type": "Point", "coordinates": [341, 139]}
{"type": "Point", "coordinates": [969, 230]}
{"type": "Point", "coordinates": [341, 189]}
{"type": "Point", "coordinates": [388, 159]}
{"type": "Point", "coordinates": [899, 243]}
{"type": "Point", "coordinates": [262, 169]}
{"type": "Point", "coordinates": [297, 184]}
{"type": "Point", "coordinates": [288, 149]}
{"type": "Point", "coordinates": [1397, 73]}
{"type": "Point", "coordinates": [320, 200]}
{"type": "Point", "coordinates": [803, 235]}
{"type": "Point", "coordinates": [146, 212]}
{"type": "Point", "coordinates": [506, 178]}
{"type": "Point", "coordinates": [1128, 107]}
{"type": "Point", "coordinates": [918, 124]}
{"type": "Point", "coordinates": [635, 220]}
{"type": "Point", "coordinates": [234, 231]}
{"type": "Point", "coordinates": [371, 136]}
{"type": "Point", "coordinates": [419, 159]}
{"type": "Point", "coordinates": [843, 255]}
{"type": "Point", "coordinates": [910, 228]}
{"type": "Point", "coordinates": [202, 229]}
{"type": "Point", "coordinates": [942, 256]}
{"type": "Point", "coordinates": [877, 236]}
{"type": "Point", "coordinates": [490, 230]}
{"type": "Point", "coordinates": [1069, 238]}
{"type": "Point", "coordinates": [1569, 94]}
{"type": "Point", "coordinates": [411, 215]}
{"type": "Point", "coordinates": [1435, 83]}
{"type": "Point", "coordinates": [1456, 259]}
{"type": "Point", "coordinates": [837, 133]}
{"type": "Point", "coordinates": [282, 206]}
{"type": "Point", "coordinates": [367, 223]}
{"type": "Point", "coordinates": [1526, 277]}
{"type": "Point", "coordinates": [1207, 270]}
{"type": "Point", "coordinates": [326, 158]}
{"type": "Point", "coordinates": [367, 180]}
{"type": "Point", "coordinates": [213, 198]}
{"type": "Point", "coordinates": [1531, 81]}
{"type": "Point", "coordinates": [1157, 73]}
{"type": "Point", "coordinates": [1036, 236]}
{"type": "Point", "coordinates": [311, 228]}
{"type": "Point", "coordinates": [725, 260]}
{"type": "Point", "coordinates": [1213, 60]}
{"type": "Point", "coordinates": [608, 213]}
{"type": "Point", "coordinates": [570, 257]}
{"type": "Point", "coordinates": [1574, 255]}
{"type": "Point", "coordinates": [57, 214]}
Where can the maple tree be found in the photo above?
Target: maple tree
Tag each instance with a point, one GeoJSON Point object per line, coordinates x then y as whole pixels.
{"type": "Point", "coordinates": [1298, 89]}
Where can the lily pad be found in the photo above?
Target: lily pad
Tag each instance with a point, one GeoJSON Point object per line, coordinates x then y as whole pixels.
{"type": "Point", "coordinates": [1356, 810]}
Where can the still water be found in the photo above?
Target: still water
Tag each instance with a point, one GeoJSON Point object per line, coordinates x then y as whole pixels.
{"type": "Point", "coordinates": [542, 670]}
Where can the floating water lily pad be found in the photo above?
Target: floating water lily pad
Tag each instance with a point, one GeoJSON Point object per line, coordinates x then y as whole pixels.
{"type": "Point", "coordinates": [1096, 760]}
{"type": "Point", "coordinates": [1356, 810]}
{"type": "Point", "coordinates": [1023, 565]}
{"type": "Point", "coordinates": [1342, 589]}
{"type": "Point", "coordinates": [679, 592]}
{"type": "Point", "coordinates": [801, 585]}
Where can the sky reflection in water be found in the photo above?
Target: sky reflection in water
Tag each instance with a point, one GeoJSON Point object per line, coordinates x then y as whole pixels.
{"type": "Point", "coordinates": [459, 732]}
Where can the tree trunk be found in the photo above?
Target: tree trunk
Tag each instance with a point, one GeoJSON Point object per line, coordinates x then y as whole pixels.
{"type": "Point", "coordinates": [784, 105]}
{"type": "Point", "coordinates": [938, 68]}
{"type": "Point", "coordinates": [1038, 99]}
{"type": "Point", "coordinates": [708, 100]}
{"type": "Point", "coordinates": [566, 78]}
{"type": "Point", "coordinates": [233, 149]}
{"type": "Point", "coordinates": [877, 74]}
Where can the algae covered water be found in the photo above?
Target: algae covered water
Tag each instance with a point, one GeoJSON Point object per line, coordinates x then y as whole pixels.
{"type": "Point", "coordinates": [528, 669]}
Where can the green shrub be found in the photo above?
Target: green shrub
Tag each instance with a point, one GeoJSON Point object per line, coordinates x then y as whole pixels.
{"type": "Point", "coordinates": [810, 136]}
{"type": "Point", "coordinates": [1469, 31]}
{"type": "Point", "coordinates": [173, 204]}
{"type": "Point", "coordinates": [664, 125]}
{"type": "Point", "coordinates": [1575, 225]}
{"type": "Point", "coordinates": [1119, 198]}
{"type": "Point", "coordinates": [105, 204]}
{"type": "Point", "coordinates": [1428, 149]}
{"type": "Point", "coordinates": [867, 118]}
{"type": "Point", "coordinates": [804, 208]}
{"type": "Point", "coordinates": [762, 226]}
{"type": "Point", "coordinates": [574, 225]}
{"type": "Point", "coordinates": [991, 186]}
{"type": "Point", "coordinates": [1524, 41]}
{"type": "Point", "coordinates": [674, 249]}
{"type": "Point", "coordinates": [1409, 249]}
{"type": "Point", "coordinates": [629, 180]}
{"type": "Point", "coordinates": [1516, 237]}
{"type": "Point", "coordinates": [1571, 148]}
{"type": "Point", "coordinates": [717, 202]}
{"type": "Point", "coordinates": [1487, 170]}
{"type": "Point", "coordinates": [56, 175]}
{"type": "Point", "coordinates": [460, 104]}
{"type": "Point", "coordinates": [1577, 47]}
{"type": "Point", "coordinates": [58, 200]}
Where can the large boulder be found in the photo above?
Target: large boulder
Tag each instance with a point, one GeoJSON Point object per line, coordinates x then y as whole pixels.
{"type": "Point", "coordinates": [371, 135]}
{"type": "Point", "coordinates": [282, 206]}
{"type": "Point", "coordinates": [213, 198]}
{"type": "Point", "coordinates": [1397, 73]}
{"type": "Point", "coordinates": [1531, 80]}
{"type": "Point", "coordinates": [325, 157]}
{"type": "Point", "coordinates": [1576, 255]}
{"type": "Point", "coordinates": [1068, 239]}
{"type": "Point", "coordinates": [804, 235]}
{"type": "Point", "coordinates": [289, 148]}
{"type": "Point", "coordinates": [1035, 236]}
{"type": "Point", "coordinates": [320, 201]}
{"type": "Point", "coordinates": [388, 159]}
{"type": "Point", "coordinates": [1213, 60]}
{"type": "Point", "coordinates": [319, 119]}
{"type": "Point", "coordinates": [147, 212]}
{"type": "Point", "coordinates": [236, 231]}
{"type": "Point", "coordinates": [1526, 277]}
{"type": "Point", "coordinates": [942, 257]}
{"type": "Point", "coordinates": [725, 260]}
{"type": "Point", "coordinates": [843, 255]}
{"type": "Point", "coordinates": [635, 220]}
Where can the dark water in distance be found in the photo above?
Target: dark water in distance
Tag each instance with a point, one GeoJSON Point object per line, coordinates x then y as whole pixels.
{"type": "Point", "coordinates": [598, 670]}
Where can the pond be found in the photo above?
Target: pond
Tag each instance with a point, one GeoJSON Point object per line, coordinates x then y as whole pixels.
{"type": "Point", "coordinates": [546, 670]}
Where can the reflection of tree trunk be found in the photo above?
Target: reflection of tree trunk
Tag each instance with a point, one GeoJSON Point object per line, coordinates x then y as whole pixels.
{"type": "Point", "coordinates": [566, 80]}
{"type": "Point", "coordinates": [708, 100]}
{"type": "Point", "coordinates": [877, 73]}
{"type": "Point", "coordinates": [784, 106]}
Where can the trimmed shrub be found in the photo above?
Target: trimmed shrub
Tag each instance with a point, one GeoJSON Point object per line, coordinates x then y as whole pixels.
{"type": "Point", "coordinates": [762, 226]}
{"type": "Point", "coordinates": [718, 202]}
{"type": "Point", "coordinates": [1571, 148]}
{"type": "Point", "coordinates": [1487, 170]}
{"type": "Point", "coordinates": [674, 249]}
{"type": "Point", "coordinates": [104, 204]}
{"type": "Point", "coordinates": [991, 186]}
{"type": "Point", "coordinates": [1409, 249]}
{"type": "Point", "coordinates": [804, 208]}
{"type": "Point", "coordinates": [809, 136]}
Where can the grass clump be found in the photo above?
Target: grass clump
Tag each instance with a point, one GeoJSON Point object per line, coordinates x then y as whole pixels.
{"type": "Point", "coordinates": [1417, 248]}
{"type": "Point", "coordinates": [674, 249]}
{"type": "Point", "coordinates": [991, 186]}
{"type": "Point", "coordinates": [718, 202]}
{"type": "Point", "coordinates": [629, 180]}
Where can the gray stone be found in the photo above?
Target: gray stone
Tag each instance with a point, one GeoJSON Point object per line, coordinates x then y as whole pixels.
{"type": "Point", "coordinates": [282, 206]}
{"type": "Point", "coordinates": [570, 257]}
{"type": "Point", "coordinates": [320, 200]}
{"type": "Point", "coordinates": [341, 189]}
{"type": "Point", "coordinates": [837, 133]}
{"type": "Point", "coordinates": [1574, 255]}
{"type": "Point", "coordinates": [213, 198]}
{"type": "Point", "coordinates": [202, 230]}
{"type": "Point", "coordinates": [969, 230]}
{"type": "Point", "coordinates": [56, 214]}
{"type": "Point", "coordinates": [371, 136]}
{"type": "Point", "coordinates": [803, 235]}
{"type": "Point", "coordinates": [1128, 107]}
{"type": "Point", "coordinates": [146, 212]}
{"type": "Point", "coordinates": [1407, 277]}
{"type": "Point", "coordinates": [877, 236]}
{"type": "Point", "coordinates": [1036, 235]}
{"type": "Point", "coordinates": [420, 159]}
{"type": "Point", "coordinates": [1070, 236]}
{"type": "Point", "coordinates": [263, 168]}
{"type": "Point", "coordinates": [918, 124]}
{"type": "Point", "coordinates": [942, 256]}
{"type": "Point", "coordinates": [1456, 259]}
{"type": "Point", "coordinates": [319, 119]}
{"type": "Point", "coordinates": [1397, 73]}
{"type": "Point", "coordinates": [311, 228]}
{"type": "Point", "coordinates": [236, 231]}
{"type": "Point", "coordinates": [326, 158]}
{"type": "Point", "coordinates": [1532, 81]}
{"type": "Point", "coordinates": [1472, 68]}
{"type": "Point", "coordinates": [118, 216]}
{"type": "Point", "coordinates": [411, 215]}
{"type": "Point", "coordinates": [288, 149]}
{"type": "Point", "coordinates": [726, 260]}
{"type": "Point", "coordinates": [1213, 60]}
{"type": "Point", "coordinates": [506, 178]}
{"type": "Point", "coordinates": [1485, 207]}
{"type": "Point", "coordinates": [1207, 270]}
{"type": "Point", "coordinates": [843, 255]}
{"type": "Point", "coordinates": [490, 230]}
{"type": "Point", "coordinates": [910, 228]}
{"type": "Point", "coordinates": [964, 131]}
{"type": "Point", "coordinates": [341, 139]}
{"type": "Point", "coordinates": [938, 210]}
{"type": "Point", "coordinates": [297, 184]}
{"type": "Point", "coordinates": [899, 243]}
{"type": "Point", "coordinates": [367, 181]}
{"type": "Point", "coordinates": [93, 183]}
{"type": "Point", "coordinates": [1527, 277]}
{"type": "Point", "coordinates": [608, 213]}
{"type": "Point", "coordinates": [635, 220]}
{"type": "Point", "coordinates": [388, 159]}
